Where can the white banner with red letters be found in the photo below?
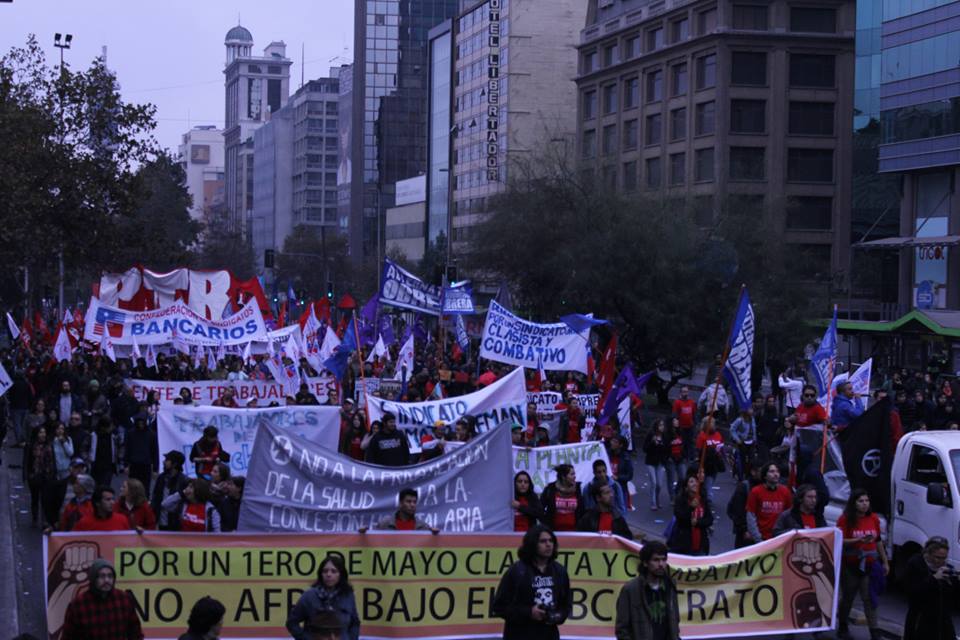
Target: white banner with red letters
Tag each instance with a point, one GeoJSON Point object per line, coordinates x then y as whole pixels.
{"type": "Point", "coordinates": [204, 392]}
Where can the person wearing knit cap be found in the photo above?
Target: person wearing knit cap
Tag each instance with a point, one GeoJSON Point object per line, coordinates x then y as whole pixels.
{"type": "Point", "coordinates": [102, 612]}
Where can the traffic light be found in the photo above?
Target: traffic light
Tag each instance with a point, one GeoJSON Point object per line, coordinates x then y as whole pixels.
{"type": "Point", "coordinates": [269, 255]}
{"type": "Point", "coordinates": [451, 273]}
{"type": "Point", "coordinates": [329, 290]}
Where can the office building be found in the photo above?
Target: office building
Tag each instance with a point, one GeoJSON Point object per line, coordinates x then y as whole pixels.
{"type": "Point", "coordinates": [255, 87]}
{"type": "Point", "coordinates": [201, 156]}
{"type": "Point", "coordinates": [920, 144]}
{"type": "Point", "coordinates": [389, 110]}
{"type": "Point", "coordinates": [719, 101]}
{"type": "Point", "coordinates": [344, 148]}
{"type": "Point", "coordinates": [405, 229]}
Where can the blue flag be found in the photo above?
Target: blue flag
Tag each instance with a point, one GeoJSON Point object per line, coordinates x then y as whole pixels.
{"type": "Point", "coordinates": [625, 384]}
{"type": "Point", "coordinates": [825, 359]}
{"type": "Point", "coordinates": [739, 365]}
{"type": "Point", "coordinates": [386, 329]}
{"type": "Point", "coordinates": [579, 323]}
{"type": "Point", "coordinates": [462, 338]}
{"type": "Point", "coordinates": [337, 363]}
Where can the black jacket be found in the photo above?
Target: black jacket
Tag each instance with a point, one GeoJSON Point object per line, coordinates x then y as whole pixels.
{"type": "Point", "coordinates": [791, 520]}
{"type": "Point", "coordinates": [656, 454]}
{"type": "Point", "coordinates": [931, 602]}
{"type": "Point", "coordinates": [533, 509]}
{"type": "Point", "coordinates": [391, 450]}
{"type": "Point", "coordinates": [681, 538]}
{"type": "Point", "coordinates": [520, 588]}
{"type": "Point", "coordinates": [591, 521]}
{"type": "Point", "coordinates": [737, 506]}
{"type": "Point", "coordinates": [164, 486]}
{"type": "Point", "coordinates": [141, 447]}
{"type": "Point", "coordinates": [548, 500]}
{"type": "Point", "coordinates": [313, 601]}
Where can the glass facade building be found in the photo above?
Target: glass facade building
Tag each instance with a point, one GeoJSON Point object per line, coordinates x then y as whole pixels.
{"type": "Point", "coordinates": [438, 180]}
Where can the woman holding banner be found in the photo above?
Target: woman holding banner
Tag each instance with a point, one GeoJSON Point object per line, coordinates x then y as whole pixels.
{"type": "Point", "coordinates": [331, 592]}
{"type": "Point", "coordinates": [527, 510]}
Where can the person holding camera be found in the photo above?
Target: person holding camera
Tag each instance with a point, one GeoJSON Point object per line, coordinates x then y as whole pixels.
{"type": "Point", "coordinates": [933, 586]}
{"type": "Point", "coordinates": [647, 605]}
{"type": "Point", "coordinates": [534, 595]}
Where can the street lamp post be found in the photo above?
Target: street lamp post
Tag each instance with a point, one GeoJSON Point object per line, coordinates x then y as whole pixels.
{"type": "Point", "coordinates": [62, 45]}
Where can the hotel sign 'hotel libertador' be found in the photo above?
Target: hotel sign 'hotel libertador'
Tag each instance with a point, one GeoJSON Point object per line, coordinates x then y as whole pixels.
{"type": "Point", "coordinates": [493, 93]}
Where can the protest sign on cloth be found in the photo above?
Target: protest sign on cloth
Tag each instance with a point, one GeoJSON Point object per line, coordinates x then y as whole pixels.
{"type": "Point", "coordinates": [458, 299]}
{"type": "Point", "coordinates": [400, 288]}
{"type": "Point", "coordinates": [540, 461]}
{"type": "Point", "coordinates": [513, 340]}
{"type": "Point", "coordinates": [296, 485]}
{"type": "Point", "coordinates": [738, 367]}
{"type": "Point", "coordinates": [544, 400]}
{"type": "Point", "coordinates": [204, 392]}
{"type": "Point", "coordinates": [161, 326]}
{"type": "Point", "coordinates": [178, 427]}
{"type": "Point", "coordinates": [415, 585]}
{"type": "Point", "coordinates": [5, 381]}
{"type": "Point", "coordinates": [504, 400]}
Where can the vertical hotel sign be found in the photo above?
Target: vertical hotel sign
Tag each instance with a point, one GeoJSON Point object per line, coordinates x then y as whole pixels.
{"type": "Point", "coordinates": [493, 92]}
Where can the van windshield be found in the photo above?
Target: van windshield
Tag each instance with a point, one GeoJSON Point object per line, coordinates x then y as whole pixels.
{"type": "Point", "coordinates": [955, 464]}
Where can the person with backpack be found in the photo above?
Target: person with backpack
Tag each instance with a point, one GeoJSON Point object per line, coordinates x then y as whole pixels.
{"type": "Point", "coordinates": [193, 507]}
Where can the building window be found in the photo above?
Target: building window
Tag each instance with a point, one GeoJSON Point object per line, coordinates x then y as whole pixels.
{"type": "Point", "coordinates": [630, 176]}
{"type": "Point", "coordinates": [810, 165]}
{"type": "Point", "coordinates": [589, 143]}
{"type": "Point", "coordinates": [655, 85]}
{"type": "Point", "coordinates": [749, 68]}
{"type": "Point", "coordinates": [631, 130]}
{"type": "Point", "coordinates": [680, 79]}
{"type": "Point", "coordinates": [812, 70]}
{"type": "Point", "coordinates": [748, 116]}
{"type": "Point", "coordinates": [706, 21]}
{"type": "Point", "coordinates": [815, 259]}
{"type": "Point", "coordinates": [703, 165]}
{"type": "Point", "coordinates": [633, 47]}
{"type": "Point", "coordinates": [678, 124]}
{"type": "Point", "coordinates": [610, 99]}
{"type": "Point", "coordinates": [589, 62]}
{"type": "Point", "coordinates": [678, 168]}
{"type": "Point", "coordinates": [653, 173]}
{"type": "Point", "coordinates": [811, 118]}
{"type": "Point", "coordinates": [655, 39]}
{"type": "Point", "coordinates": [810, 212]}
{"type": "Point", "coordinates": [610, 177]}
{"type": "Point", "coordinates": [653, 132]}
{"type": "Point", "coordinates": [706, 118]}
{"type": "Point", "coordinates": [751, 17]}
{"type": "Point", "coordinates": [679, 30]}
{"type": "Point", "coordinates": [813, 19]}
{"type": "Point", "coordinates": [610, 56]}
{"type": "Point", "coordinates": [707, 71]}
{"type": "Point", "coordinates": [589, 105]}
{"type": "Point", "coordinates": [631, 93]}
{"type": "Point", "coordinates": [609, 139]}
{"type": "Point", "coordinates": [748, 163]}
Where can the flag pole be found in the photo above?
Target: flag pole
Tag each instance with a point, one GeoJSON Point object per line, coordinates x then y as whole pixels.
{"type": "Point", "coordinates": [363, 380]}
{"type": "Point", "coordinates": [723, 363]}
{"type": "Point", "coordinates": [833, 368]}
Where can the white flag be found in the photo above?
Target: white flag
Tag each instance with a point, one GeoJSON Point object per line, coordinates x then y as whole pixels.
{"type": "Point", "coordinates": [211, 360]}
{"type": "Point", "coordinates": [198, 357]}
{"type": "Point", "coordinates": [67, 317]}
{"type": "Point", "coordinates": [135, 351]}
{"type": "Point", "coordinates": [5, 381]}
{"type": "Point", "coordinates": [151, 357]}
{"type": "Point", "coordinates": [106, 348]}
{"type": "Point", "coordinates": [330, 344]}
{"type": "Point", "coordinates": [61, 348]}
{"type": "Point", "coordinates": [180, 345]}
{"type": "Point", "coordinates": [379, 350]}
{"type": "Point", "coordinates": [405, 360]}
{"type": "Point", "coordinates": [12, 325]}
{"type": "Point", "coordinates": [247, 354]}
{"type": "Point", "coordinates": [221, 353]}
{"type": "Point", "coordinates": [291, 349]}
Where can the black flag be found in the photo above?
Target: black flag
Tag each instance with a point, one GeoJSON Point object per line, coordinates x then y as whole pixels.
{"type": "Point", "coordinates": [868, 454]}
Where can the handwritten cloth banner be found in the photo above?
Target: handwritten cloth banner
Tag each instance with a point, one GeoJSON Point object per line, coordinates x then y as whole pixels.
{"type": "Point", "coordinates": [178, 427]}
{"type": "Point", "coordinates": [179, 321]}
{"type": "Point", "coordinates": [411, 585]}
{"type": "Point", "coordinates": [458, 299]}
{"type": "Point", "coordinates": [296, 485]}
{"type": "Point", "coordinates": [545, 401]}
{"type": "Point", "coordinates": [504, 400]}
{"type": "Point", "coordinates": [513, 340]}
{"type": "Point", "coordinates": [539, 462]}
{"type": "Point", "coordinates": [204, 392]}
{"type": "Point", "coordinates": [400, 288]}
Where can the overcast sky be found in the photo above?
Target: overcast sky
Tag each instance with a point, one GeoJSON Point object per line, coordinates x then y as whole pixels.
{"type": "Point", "coordinates": [171, 53]}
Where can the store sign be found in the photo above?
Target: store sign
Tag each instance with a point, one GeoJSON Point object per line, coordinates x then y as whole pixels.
{"type": "Point", "coordinates": [493, 93]}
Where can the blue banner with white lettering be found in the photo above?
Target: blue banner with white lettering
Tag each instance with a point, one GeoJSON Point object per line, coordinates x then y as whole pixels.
{"type": "Point", "coordinates": [400, 288]}
{"type": "Point", "coordinates": [513, 340]}
{"type": "Point", "coordinates": [458, 299]}
{"type": "Point", "coordinates": [824, 360]}
{"type": "Point", "coordinates": [739, 364]}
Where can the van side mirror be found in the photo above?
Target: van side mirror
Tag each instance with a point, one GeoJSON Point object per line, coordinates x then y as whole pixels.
{"type": "Point", "coordinates": [937, 495]}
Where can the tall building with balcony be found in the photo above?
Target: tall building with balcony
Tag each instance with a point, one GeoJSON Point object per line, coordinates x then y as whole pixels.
{"type": "Point", "coordinates": [255, 87]}
{"type": "Point", "coordinates": [920, 145]}
{"type": "Point", "coordinates": [201, 156]}
{"type": "Point", "coordinates": [721, 101]}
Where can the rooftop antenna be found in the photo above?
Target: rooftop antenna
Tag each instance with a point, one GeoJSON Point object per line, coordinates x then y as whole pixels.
{"type": "Point", "coordinates": [303, 62]}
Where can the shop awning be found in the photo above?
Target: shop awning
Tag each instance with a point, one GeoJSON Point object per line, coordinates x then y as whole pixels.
{"type": "Point", "coordinates": [907, 241]}
{"type": "Point", "coordinates": [941, 323]}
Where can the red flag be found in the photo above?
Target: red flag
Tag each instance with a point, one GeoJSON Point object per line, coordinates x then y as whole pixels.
{"type": "Point", "coordinates": [456, 351]}
{"type": "Point", "coordinates": [322, 309]}
{"type": "Point", "coordinates": [342, 327]}
{"type": "Point", "coordinates": [27, 331]}
{"type": "Point", "coordinates": [607, 373]}
{"type": "Point", "coordinates": [40, 325]}
{"type": "Point", "coordinates": [282, 320]}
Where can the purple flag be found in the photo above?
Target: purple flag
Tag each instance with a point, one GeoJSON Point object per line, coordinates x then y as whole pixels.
{"type": "Point", "coordinates": [419, 330]}
{"type": "Point", "coordinates": [367, 321]}
{"type": "Point", "coordinates": [386, 329]}
{"type": "Point", "coordinates": [625, 384]}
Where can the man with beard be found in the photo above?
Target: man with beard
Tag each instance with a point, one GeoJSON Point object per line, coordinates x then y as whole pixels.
{"type": "Point", "coordinates": [389, 447]}
{"type": "Point", "coordinates": [102, 612]}
{"type": "Point", "coordinates": [647, 607]}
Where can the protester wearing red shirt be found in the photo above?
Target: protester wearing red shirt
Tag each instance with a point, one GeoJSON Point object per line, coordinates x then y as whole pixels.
{"type": "Point", "coordinates": [862, 549]}
{"type": "Point", "coordinates": [527, 510]}
{"type": "Point", "coordinates": [685, 411]}
{"type": "Point", "coordinates": [573, 422]}
{"type": "Point", "coordinates": [405, 519]}
{"type": "Point", "coordinates": [103, 518]}
{"type": "Point", "coordinates": [709, 446]}
{"type": "Point", "coordinates": [562, 500]}
{"type": "Point", "coordinates": [810, 412]}
{"type": "Point", "coordinates": [766, 502]}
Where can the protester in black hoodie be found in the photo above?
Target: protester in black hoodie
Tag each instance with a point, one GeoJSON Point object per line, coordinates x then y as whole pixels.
{"type": "Point", "coordinates": [170, 481]}
{"type": "Point", "coordinates": [604, 517]}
